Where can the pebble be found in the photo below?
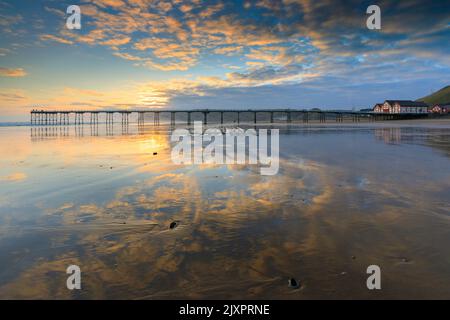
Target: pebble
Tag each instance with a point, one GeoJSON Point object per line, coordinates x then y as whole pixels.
{"type": "Point", "coordinates": [173, 225]}
{"type": "Point", "coordinates": [155, 153]}
{"type": "Point", "coordinates": [294, 284]}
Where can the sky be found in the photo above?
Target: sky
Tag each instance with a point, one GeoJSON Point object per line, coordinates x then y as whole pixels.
{"type": "Point", "coordinates": [219, 54]}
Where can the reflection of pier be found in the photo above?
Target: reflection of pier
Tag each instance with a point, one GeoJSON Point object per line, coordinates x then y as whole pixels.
{"type": "Point", "coordinates": [94, 130]}
{"type": "Point", "coordinates": [389, 135]}
{"type": "Point", "coordinates": [79, 117]}
{"type": "Point", "coordinates": [49, 132]}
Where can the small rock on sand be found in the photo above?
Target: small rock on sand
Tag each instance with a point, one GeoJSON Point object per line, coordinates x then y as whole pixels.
{"type": "Point", "coordinates": [173, 225]}
{"type": "Point", "coordinates": [294, 284]}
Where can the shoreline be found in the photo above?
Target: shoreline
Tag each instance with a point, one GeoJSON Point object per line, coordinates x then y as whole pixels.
{"type": "Point", "coordinates": [410, 122]}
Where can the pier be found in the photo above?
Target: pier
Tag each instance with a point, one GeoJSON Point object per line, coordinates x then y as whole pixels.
{"type": "Point", "coordinates": [80, 117]}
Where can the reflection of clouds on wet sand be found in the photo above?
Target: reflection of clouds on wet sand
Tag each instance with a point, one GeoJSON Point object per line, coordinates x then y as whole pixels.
{"type": "Point", "coordinates": [16, 176]}
{"type": "Point", "coordinates": [239, 234]}
{"type": "Point", "coordinates": [210, 215]}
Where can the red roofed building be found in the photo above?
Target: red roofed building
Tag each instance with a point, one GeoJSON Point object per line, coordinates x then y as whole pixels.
{"type": "Point", "coordinates": [378, 108]}
{"type": "Point", "coordinates": [441, 108]}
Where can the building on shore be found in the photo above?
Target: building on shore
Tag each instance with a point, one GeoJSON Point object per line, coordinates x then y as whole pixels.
{"type": "Point", "coordinates": [441, 108]}
{"type": "Point", "coordinates": [378, 108]}
{"type": "Point", "coordinates": [401, 106]}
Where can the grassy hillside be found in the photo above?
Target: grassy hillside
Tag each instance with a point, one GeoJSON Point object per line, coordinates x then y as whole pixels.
{"type": "Point", "coordinates": [441, 96]}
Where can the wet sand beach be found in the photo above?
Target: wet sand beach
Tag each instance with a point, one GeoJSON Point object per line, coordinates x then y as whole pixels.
{"type": "Point", "coordinates": [345, 197]}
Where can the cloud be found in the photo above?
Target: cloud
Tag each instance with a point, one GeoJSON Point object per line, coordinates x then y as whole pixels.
{"type": "Point", "coordinates": [170, 42]}
{"type": "Point", "coordinates": [190, 45]}
{"type": "Point", "coordinates": [109, 3]}
{"type": "Point", "coordinates": [47, 37]}
{"type": "Point", "coordinates": [7, 21]}
{"type": "Point", "coordinates": [13, 73]}
{"type": "Point", "coordinates": [229, 50]}
{"type": "Point", "coordinates": [83, 92]}
{"type": "Point", "coordinates": [116, 42]}
{"type": "Point", "coordinates": [127, 56]}
{"type": "Point", "coordinates": [55, 11]}
{"type": "Point", "coordinates": [13, 96]}
{"type": "Point", "coordinates": [4, 52]}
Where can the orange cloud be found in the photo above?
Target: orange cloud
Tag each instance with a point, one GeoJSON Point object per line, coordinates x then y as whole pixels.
{"type": "Point", "coordinates": [14, 73]}
{"type": "Point", "coordinates": [110, 3]}
{"type": "Point", "coordinates": [46, 37]}
{"type": "Point", "coordinates": [229, 50]}
{"type": "Point", "coordinates": [116, 42]}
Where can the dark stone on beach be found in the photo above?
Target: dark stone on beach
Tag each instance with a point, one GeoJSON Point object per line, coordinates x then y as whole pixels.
{"type": "Point", "coordinates": [155, 153]}
{"type": "Point", "coordinates": [173, 225]}
{"type": "Point", "coordinates": [294, 284]}
{"type": "Point", "coordinates": [110, 167]}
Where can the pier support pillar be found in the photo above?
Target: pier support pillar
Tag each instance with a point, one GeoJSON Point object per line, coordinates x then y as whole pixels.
{"type": "Point", "coordinates": [305, 117]}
